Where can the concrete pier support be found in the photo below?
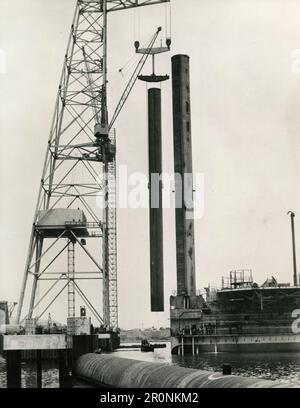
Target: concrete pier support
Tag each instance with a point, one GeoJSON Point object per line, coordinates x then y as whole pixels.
{"type": "Point", "coordinates": [64, 366]}
{"type": "Point", "coordinates": [13, 368]}
{"type": "Point", "coordinates": [185, 252]}
{"type": "Point", "coordinates": [14, 345]}
{"type": "Point", "coordinates": [155, 200]}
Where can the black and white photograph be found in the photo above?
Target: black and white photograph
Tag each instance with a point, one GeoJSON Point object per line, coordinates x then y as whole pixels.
{"type": "Point", "coordinates": [150, 198]}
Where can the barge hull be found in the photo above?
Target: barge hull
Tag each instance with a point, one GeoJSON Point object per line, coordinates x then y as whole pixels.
{"type": "Point", "coordinates": [235, 344]}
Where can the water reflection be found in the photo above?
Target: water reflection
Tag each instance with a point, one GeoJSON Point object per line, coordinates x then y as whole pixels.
{"type": "Point", "coordinates": [49, 377]}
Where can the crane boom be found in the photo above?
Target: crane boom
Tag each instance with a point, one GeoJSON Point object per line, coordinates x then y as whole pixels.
{"type": "Point", "coordinates": [133, 78]}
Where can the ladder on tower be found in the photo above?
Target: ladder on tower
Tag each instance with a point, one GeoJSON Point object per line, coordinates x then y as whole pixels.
{"type": "Point", "coordinates": [111, 317]}
{"type": "Point", "coordinates": [71, 279]}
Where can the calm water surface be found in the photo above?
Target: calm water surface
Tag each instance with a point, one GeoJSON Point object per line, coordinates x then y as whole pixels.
{"type": "Point", "coordinates": [272, 366]}
{"type": "Point", "coordinates": [50, 374]}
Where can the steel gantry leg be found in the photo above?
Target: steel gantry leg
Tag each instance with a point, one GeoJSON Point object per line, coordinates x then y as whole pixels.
{"type": "Point", "coordinates": [38, 253]}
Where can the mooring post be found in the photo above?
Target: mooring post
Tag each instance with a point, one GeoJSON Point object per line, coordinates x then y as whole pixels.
{"type": "Point", "coordinates": [13, 368]}
{"type": "Point", "coordinates": [39, 368]}
{"type": "Point", "coordinates": [226, 369]}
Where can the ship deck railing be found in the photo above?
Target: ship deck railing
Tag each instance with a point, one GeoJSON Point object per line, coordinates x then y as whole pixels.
{"type": "Point", "coordinates": [240, 330]}
{"type": "Point", "coordinates": [227, 335]}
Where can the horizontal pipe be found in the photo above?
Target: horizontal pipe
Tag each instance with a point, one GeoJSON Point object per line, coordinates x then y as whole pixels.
{"type": "Point", "coordinates": [114, 372]}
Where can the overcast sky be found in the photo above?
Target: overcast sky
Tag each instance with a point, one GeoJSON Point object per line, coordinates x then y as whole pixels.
{"type": "Point", "coordinates": [245, 125]}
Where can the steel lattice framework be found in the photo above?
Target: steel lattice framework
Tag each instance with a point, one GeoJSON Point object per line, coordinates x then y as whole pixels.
{"type": "Point", "coordinates": [79, 167]}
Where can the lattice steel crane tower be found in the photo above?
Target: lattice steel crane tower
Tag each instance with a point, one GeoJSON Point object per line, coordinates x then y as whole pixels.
{"type": "Point", "coordinates": [82, 140]}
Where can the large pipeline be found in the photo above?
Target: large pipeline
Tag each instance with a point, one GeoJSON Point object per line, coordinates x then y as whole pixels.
{"type": "Point", "coordinates": [107, 371]}
{"type": "Point", "coordinates": [183, 166]}
{"type": "Point", "coordinates": [155, 200]}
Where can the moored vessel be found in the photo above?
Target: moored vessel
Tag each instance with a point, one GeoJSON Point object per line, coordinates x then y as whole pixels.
{"type": "Point", "coordinates": [240, 317]}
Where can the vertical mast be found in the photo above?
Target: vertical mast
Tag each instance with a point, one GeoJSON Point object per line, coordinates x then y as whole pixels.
{"type": "Point", "coordinates": [295, 278]}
